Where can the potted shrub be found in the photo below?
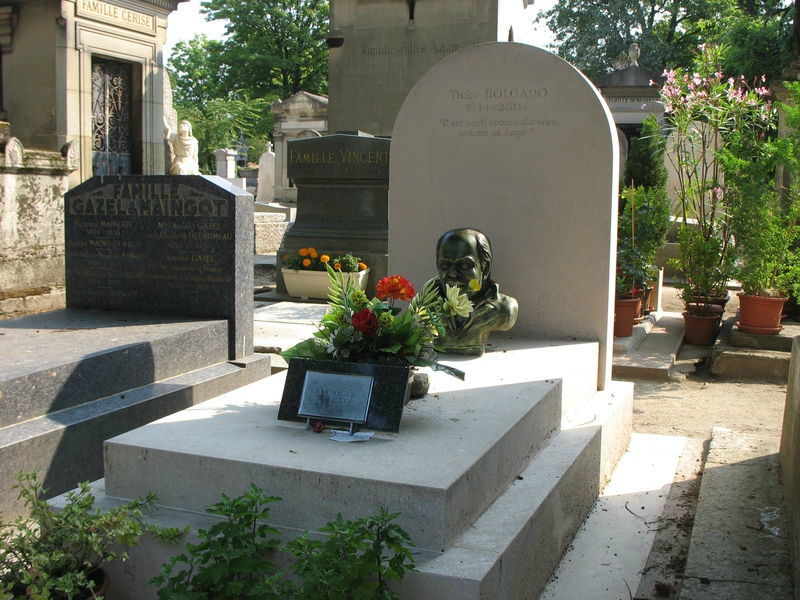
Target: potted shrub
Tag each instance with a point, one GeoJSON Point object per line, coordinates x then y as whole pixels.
{"type": "Point", "coordinates": [789, 281]}
{"type": "Point", "coordinates": [305, 274]}
{"type": "Point", "coordinates": [764, 219]}
{"type": "Point", "coordinates": [632, 274]}
{"type": "Point", "coordinates": [643, 225]}
{"type": "Point", "coordinates": [705, 266]}
{"type": "Point", "coordinates": [59, 554]}
{"type": "Point", "coordinates": [707, 113]}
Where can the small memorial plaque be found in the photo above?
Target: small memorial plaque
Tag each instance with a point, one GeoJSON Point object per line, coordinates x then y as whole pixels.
{"type": "Point", "coordinates": [372, 395]}
{"type": "Point", "coordinates": [339, 396]}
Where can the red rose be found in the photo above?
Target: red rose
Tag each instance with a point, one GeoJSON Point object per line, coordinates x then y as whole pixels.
{"type": "Point", "coordinates": [365, 321]}
{"type": "Point", "coordinates": [395, 287]}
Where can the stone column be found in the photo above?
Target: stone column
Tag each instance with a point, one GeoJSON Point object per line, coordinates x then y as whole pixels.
{"type": "Point", "coordinates": [266, 177]}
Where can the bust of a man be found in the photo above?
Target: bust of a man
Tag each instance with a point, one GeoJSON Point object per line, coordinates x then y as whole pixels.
{"type": "Point", "coordinates": [464, 260]}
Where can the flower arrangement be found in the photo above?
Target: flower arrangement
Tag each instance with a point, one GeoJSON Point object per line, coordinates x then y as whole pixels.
{"type": "Point", "coordinates": [309, 259]}
{"type": "Point", "coordinates": [357, 329]}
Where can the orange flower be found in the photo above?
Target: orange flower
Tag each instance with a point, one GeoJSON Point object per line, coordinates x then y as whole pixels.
{"type": "Point", "coordinates": [311, 250]}
{"type": "Point", "coordinates": [337, 266]}
{"type": "Point", "coordinates": [314, 254]}
{"type": "Point", "coordinates": [324, 258]}
{"type": "Point", "coordinates": [395, 287]}
{"type": "Point", "coordinates": [362, 266]}
{"type": "Point", "coordinates": [306, 262]}
{"type": "Point", "coordinates": [303, 252]}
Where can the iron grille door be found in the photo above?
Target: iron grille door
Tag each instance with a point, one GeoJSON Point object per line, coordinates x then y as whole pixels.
{"type": "Point", "coordinates": [112, 117]}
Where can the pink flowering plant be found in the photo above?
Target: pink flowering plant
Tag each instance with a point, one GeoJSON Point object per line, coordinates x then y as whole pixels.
{"type": "Point", "coordinates": [359, 329]}
{"type": "Point", "coordinates": [708, 114]}
{"type": "Point", "coordinates": [705, 110]}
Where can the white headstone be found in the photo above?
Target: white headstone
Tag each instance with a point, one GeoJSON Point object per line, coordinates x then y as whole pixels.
{"type": "Point", "coordinates": [266, 177]}
{"type": "Point", "coordinates": [226, 162]}
{"type": "Point", "coordinates": [510, 139]}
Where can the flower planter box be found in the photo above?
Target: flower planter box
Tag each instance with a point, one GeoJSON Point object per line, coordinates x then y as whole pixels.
{"type": "Point", "coordinates": [314, 284]}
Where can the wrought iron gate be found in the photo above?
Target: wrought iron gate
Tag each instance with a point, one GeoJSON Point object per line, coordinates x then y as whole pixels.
{"type": "Point", "coordinates": [112, 117]}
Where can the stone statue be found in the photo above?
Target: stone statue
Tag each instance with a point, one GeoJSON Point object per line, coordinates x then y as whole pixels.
{"type": "Point", "coordinates": [464, 259]}
{"type": "Point", "coordinates": [633, 54]}
{"type": "Point", "coordinates": [184, 150]}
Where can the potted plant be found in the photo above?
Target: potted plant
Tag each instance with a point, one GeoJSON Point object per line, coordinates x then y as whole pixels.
{"type": "Point", "coordinates": [705, 266]}
{"type": "Point", "coordinates": [764, 219]}
{"type": "Point", "coordinates": [632, 274]}
{"type": "Point", "coordinates": [642, 226]}
{"type": "Point", "coordinates": [60, 554]}
{"type": "Point", "coordinates": [305, 272]}
{"type": "Point", "coordinates": [707, 112]}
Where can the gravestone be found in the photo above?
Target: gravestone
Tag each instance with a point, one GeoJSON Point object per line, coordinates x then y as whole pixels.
{"type": "Point", "coordinates": [512, 140]}
{"type": "Point", "coordinates": [342, 194]}
{"type": "Point", "coordinates": [265, 192]}
{"type": "Point", "coordinates": [169, 245]}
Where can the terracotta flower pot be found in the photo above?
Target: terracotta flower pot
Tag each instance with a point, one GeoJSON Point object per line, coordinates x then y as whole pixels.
{"type": "Point", "coordinates": [760, 314]}
{"type": "Point", "coordinates": [625, 312]}
{"type": "Point", "coordinates": [700, 330]}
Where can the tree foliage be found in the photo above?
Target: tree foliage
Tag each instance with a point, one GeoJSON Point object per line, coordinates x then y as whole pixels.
{"type": "Point", "coordinates": [275, 47]}
{"type": "Point", "coordinates": [271, 51]}
{"type": "Point", "coordinates": [594, 35]}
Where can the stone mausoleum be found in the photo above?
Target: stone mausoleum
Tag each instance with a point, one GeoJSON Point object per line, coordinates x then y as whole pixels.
{"type": "Point", "coordinates": [91, 71]}
{"type": "Point", "coordinates": [379, 50]}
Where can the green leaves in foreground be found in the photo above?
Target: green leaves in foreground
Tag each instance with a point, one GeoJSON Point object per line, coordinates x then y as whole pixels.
{"type": "Point", "coordinates": [355, 560]}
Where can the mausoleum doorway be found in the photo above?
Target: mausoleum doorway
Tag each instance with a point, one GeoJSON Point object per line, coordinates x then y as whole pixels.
{"type": "Point", "coordinates": [115, 117]}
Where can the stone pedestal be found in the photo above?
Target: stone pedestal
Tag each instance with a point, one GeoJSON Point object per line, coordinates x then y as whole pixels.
{"type": "Point", "coordinates": [226, 163]}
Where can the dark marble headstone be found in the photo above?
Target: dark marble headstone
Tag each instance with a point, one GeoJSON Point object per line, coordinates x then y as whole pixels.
{"type": "Point", "coordinates": [342, 198]}
{"type": "Point", "coordinates": [172, 245]}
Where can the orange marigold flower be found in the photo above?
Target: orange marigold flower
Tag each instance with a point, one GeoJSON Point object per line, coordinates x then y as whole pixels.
{"type": "Point", "coordinates": [306, 262]}
{"type": "Point", "coordinates": [362, 266]}
{"type": "Point", "coordinates": [324, 258]}
{"type": "Point", "coordinates": [395, 287]}
{"type": "Point", "coordinates": [337, 266]}
{"type": "Point", "coordinates": [311, 250]}
{"type": "Point", "coordinates": [314, 254]}
{"type": "Point", "coordinates": [303, 252]}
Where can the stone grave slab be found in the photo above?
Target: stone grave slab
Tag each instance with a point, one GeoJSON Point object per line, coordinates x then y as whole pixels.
{"type": "Point", "coordinates": [482, 431]}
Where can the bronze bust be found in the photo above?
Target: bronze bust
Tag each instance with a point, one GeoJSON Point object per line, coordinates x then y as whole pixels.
{"type": "Point", "coordinates": [464, 260]}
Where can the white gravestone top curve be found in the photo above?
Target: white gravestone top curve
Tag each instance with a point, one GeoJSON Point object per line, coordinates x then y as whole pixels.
{"type": "Point", "coordinates": [512, 140]}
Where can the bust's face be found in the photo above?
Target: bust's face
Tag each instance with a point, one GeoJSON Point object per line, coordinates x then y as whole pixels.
{"type": "Point", "coordinates": [458, 263]}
